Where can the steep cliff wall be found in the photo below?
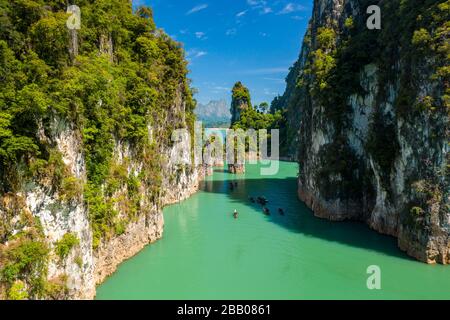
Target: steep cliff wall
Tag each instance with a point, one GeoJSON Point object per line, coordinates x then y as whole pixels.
{"type": "Point", "coordinates": [86, 163]}
{"type": "Point", "coordinates": [370, 116]}
{"type": "Point", "coordinates": [178, 183]}
{"type": "Point", "coordinates": [240, 101]}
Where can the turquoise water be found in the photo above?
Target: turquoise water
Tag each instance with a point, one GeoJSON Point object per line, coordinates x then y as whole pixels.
{"type": "Point", "coordinates": [206, 254]}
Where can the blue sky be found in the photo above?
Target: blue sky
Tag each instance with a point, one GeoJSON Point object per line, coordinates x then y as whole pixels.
{"type": "Point", "coordinates": [253, 41]}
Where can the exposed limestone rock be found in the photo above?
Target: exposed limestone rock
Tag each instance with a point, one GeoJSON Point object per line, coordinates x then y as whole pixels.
{"type": "Point", "coordinates": [84, 268]}
{"type": "Point", "coordinates": [240, 102]}
{"type": "Point", "coordinates": [374, 161]}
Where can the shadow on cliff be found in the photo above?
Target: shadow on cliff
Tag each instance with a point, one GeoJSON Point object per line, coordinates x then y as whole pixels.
{"type": "Point", "coordinates": [298, 218]}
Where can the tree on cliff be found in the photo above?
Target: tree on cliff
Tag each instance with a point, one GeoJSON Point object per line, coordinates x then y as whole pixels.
{"type": "Point", "coordinates": [124, 78]}
{"type": "Point", "coordinates": [398, 78]}
{"type": "Point", "coordinates": [245, 116]}
{"type": "Point", "coordinates": [263, 107]}
{"type": "Point", "coordinates": [240, 101]}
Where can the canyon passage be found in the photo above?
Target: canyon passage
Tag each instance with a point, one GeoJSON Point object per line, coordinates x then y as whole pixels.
{"type": "Point", "coordinates": [206, 254]}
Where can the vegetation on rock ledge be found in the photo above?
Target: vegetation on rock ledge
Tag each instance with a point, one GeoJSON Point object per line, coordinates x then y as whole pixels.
{"type": "Point", "coordinates": [128, 79]}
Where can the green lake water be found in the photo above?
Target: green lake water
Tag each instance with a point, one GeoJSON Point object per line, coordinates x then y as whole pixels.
{"type": "Point", "coordinates": [206, 254]}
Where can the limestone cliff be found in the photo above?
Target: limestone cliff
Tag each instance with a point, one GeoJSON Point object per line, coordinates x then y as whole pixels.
{"type": "Point", "coordinates": [369, 120]}
{"type": "Point", "coordinates": [240, 101]}
{"type": "Point", "coordinates": [86, 158]}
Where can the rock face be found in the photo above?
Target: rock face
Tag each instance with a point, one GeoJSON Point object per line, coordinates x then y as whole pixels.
{"type": "Point", "coordinates": [58, 219]}
{"type": "Point", "coordinates": [86, 158]}
{"type": "Point", "coordinates": [369, 119]}
{"type": "Point", "coordinates": [85, 267]}
{"type": "Point", "coordinates": [177, 185]}
{"type": "Point", "coordinates": [237, 107]}
{"type": "Point", "coordinates": [240, 101]}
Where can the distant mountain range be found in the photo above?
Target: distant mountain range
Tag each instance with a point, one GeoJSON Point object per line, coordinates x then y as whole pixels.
{"type": "Point", "coordinates": [215, 113]}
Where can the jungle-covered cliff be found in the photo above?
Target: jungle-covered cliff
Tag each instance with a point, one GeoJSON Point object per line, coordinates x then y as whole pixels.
{"type": "Point", "coordinates": [86, 117]}
{"type": "Point", "coordinates": [368, 119]}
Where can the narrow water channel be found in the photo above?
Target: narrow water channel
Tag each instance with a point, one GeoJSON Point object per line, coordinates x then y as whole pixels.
{"type": "Point", "coordinates": [207, 254]}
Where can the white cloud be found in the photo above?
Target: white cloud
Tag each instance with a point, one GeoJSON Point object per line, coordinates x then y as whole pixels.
{"type": "Point", "coordinates": [292, 7]}
{"type": "Point", "coordinates": [268, 92]}
{"type": "Point", "coordinates": [197, 9]}
{"type": "Point", "coordinates": [201, 35]}
{"type": "Point", "coordinates": [240, 14]}
{"type": "Point", "coordinates": [266, 10]}
{"type": "Point", "coordinates": [200, 54]}
{"type": "Point", "coordinates": [195, 53]}
{"type": "Point", "coordinates": [255, 2]}
{"type": "Point", "coordinates": [261, 5]}
{"type": "Point", "coordinates": [219, 88]}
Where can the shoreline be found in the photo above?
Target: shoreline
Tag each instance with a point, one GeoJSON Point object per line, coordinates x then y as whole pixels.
{"type": "Point", "coordinates": [139, 235]}
{"type": "Point", "coordinates": [192, 190]}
